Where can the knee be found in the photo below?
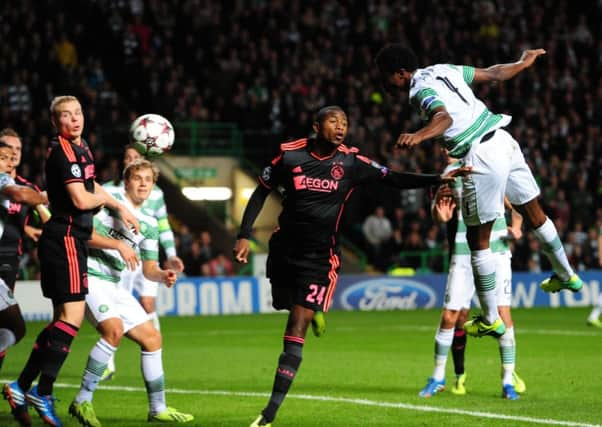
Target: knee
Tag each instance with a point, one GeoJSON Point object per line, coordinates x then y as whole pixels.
{"type": "Point", "coordinates": [148, 304]}
{"type": "Point", "coordinates": [113, 336]}
{"type": "Point", "coordinates": [448, 319]}
{"type": "Point", "coordinates": [152, 341]}
{"type": "Point", "coordinates": [462, 318]}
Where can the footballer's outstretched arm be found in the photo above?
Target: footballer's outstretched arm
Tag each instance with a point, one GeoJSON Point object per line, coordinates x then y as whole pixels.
{"type": "Point", "coordinates": [25, 195]}
{"type": "Point", "coordinates": [241, 248]}
{"type": "Point", "coordinates": [501, 72]}
{"type": "Point", "coordinates": [437, 125]}
{"type": "Point", "coordinates": [404, 180]}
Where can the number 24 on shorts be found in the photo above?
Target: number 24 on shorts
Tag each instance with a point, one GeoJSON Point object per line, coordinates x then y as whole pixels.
{"type": "Point", "coordinates": [316, 296]}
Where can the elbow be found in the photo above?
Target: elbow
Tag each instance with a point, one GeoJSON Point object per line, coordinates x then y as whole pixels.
{"type": "Point", "coordinates": [79, 203]}
{"type": "Point", "coordinates": [19, 197]}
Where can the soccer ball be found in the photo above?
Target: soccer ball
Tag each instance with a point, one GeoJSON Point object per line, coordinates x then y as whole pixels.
{"type": "Point", "coordinates": [151, 135]}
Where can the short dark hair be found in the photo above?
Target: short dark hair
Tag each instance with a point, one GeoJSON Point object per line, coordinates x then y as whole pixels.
{"type": "Point", "coordinates": [394, 57]}
{"type": "Point", "coordinates": [9, 132]}
{"type": "Point", "coordinates": [325, 112]}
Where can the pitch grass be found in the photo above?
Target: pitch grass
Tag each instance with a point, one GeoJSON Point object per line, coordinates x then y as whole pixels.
{"type": "Point", "coordinates": [221, 369]}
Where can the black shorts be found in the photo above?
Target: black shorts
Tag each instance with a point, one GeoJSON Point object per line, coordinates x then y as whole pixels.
{"type": "Point", "coordinates": [63, 267]}
{"type": "Point", "coordinates": [9, 267]}
{"type": "Point", "coordinates": [306, 279]}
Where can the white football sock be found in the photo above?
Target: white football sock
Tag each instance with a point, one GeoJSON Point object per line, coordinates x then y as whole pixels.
{"type": "Point", "coordinates": [152, 372]}
{"type": "Point", "coordinates": [443, 341]}
{"type": "Point", "coordinates": [552, 248]}
{"type": "Point", "coordinates": [97, 363]}
{"type": "Point", "coordinates": [483, 267]}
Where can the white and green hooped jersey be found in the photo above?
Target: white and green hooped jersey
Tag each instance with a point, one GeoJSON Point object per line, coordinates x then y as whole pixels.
{"type": "Point", "coordinates": [448, 86]}
{"type": "Point", "coordinates": [499, 232]}
{"type": "Point", "coordinates": [107, 263]}
{"type": "Point", "coordinates": [5, 180]}
{"type": "Point", "coordinates": [155, 207]}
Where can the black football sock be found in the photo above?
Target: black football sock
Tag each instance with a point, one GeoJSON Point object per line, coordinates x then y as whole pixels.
{"type": "Point", "coordinates": [288, 364]}
{"type": "Point", "coordinates": [458, 349]}
{"type": "Point", "coordinates": [34, 364]}
{"type": "Point", "coordinates": [60, 337]}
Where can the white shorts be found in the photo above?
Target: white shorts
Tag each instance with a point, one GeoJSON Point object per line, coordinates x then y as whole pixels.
{"type": "Point", "coordinates": [106, 300]}
{"type": "Point", "coordinates": [498, 168]}
{"type": "Point", "coordinates": [460, 282]}
{"type": "Point", "coordinates": [7, 298]}
{"type": "Point", "coordinates": [135, 281]}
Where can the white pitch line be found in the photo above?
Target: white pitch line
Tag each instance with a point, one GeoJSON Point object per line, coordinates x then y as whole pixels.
{"type": "Point", "coordinates": [363, 402]}
{"type": "Point", "coordinates": [421, 328]}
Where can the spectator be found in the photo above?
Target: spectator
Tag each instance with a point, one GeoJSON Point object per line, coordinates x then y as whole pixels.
{"type": "Point", "coordinates": [377, 232]}
{"type": "Point", "coordinates": [218, 266]}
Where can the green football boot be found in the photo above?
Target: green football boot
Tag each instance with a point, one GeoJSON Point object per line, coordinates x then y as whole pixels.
{"type": "Point", "coordinates": [478, 328]}
{"type": "Point", "coordinates": [84, 412]}
{"type": "Point", "coordinates": [554, 284]}
{"type": "Point", "coordinates": [318, 324]}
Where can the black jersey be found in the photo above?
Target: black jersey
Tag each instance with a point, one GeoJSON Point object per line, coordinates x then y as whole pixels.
{"type": "Point", "coordinates": [68, 163]}
{"type": "Point", "coordinates": [17, 217]}
{"type": "Point", "coordinates": [315, 190]}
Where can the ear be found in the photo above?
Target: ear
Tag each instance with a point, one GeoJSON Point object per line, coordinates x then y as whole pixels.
{"type": "Point", "coordinates": [316, 127]}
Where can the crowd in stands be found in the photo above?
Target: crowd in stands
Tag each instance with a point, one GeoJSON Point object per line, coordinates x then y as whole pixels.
{"type": "Point", "coordinates": [268, 65]}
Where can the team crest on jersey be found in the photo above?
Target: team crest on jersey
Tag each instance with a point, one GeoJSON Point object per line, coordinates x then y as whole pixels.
{"type": "Point", "coordinates": [337, 171]}
{"type": "Point", "coordinates": [267, 173]}
{"type": "Point", "coordinates": [76, 171]}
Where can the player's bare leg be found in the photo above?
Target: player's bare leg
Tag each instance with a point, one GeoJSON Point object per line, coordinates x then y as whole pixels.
{"type": "Point", "coordinates": [148, 304]}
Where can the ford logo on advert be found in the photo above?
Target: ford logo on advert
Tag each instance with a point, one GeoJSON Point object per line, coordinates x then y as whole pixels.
{"type": "Point", "coordinates": [388, 294]}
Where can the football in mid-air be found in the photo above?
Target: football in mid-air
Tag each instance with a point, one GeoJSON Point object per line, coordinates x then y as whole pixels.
{"type": "Point", "coordinates": [151, 135]}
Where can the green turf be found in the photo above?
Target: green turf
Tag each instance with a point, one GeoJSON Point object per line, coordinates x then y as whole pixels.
{"type": "Point", "coordinates": [221, 369]}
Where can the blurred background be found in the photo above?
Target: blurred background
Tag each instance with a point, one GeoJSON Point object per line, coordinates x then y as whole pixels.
{"type": "Point", "coordinates": [237, 78]}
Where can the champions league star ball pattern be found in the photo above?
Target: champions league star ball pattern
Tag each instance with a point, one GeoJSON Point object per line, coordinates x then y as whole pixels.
{"type": "Point", "coordinates": [151, 135]}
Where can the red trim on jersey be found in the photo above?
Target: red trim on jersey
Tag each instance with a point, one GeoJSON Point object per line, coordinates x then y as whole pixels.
{"type": "Point", "coordinates": [69, 181]}
{"type": "Point", "coordinates": [315, 156]}
{"type": "Point", "coordinates": [294, 145]}
{"type": "Point", "coordinates": [73, 263]}
{"type": "Point", "coordinates": [364, 159]}
{"type": "Point", "coordinates": [276, 159]}
{"type": "Point", "coordinates": [336, 226]}
{"type": "Point", "coordinates": [262, 182]}
{"type": "Point", "coordinates": [333, 276]}
{"type": "Point", "coordinates": [347, 150]}
{"type": "Point", "coordinates": [67, 149]}
{"type": "Point", "coordinates": [26, 182]}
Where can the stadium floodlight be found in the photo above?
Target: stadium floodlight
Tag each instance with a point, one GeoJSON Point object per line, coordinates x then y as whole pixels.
{"type": "Point", "coordinates": [247, 192]}
{"type": "Point", "coordinates": [207, 193]}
